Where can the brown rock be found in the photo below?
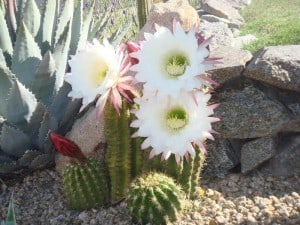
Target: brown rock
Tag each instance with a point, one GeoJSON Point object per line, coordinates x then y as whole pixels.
{"type": "Point", "coordinates": [233, 63]}
{"type": "Point", "coordinates": [278, 66]}
{"type": "Point", "coordinates": [164, 13]}
{"type": "Point", "coordinates": [223, 9]}
{"type": "Point", "coordinates": [88, 133]}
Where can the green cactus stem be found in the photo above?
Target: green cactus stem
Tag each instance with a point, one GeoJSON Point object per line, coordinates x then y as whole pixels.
{"type": "Point", "coordinates": [118, 155]}
{"type": "Point", "coordinates": [143, 8]}
{"type": "Point", "coordinates": [154, 198]}
{"type": "Point", "coordinates": [86, 185]}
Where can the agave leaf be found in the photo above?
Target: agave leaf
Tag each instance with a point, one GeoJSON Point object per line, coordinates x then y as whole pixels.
{"type": "Point", "coordinates": [49, 123]}
{"type": "Point", "coordinates": [55, 26]}
{"type": "Point", "coordinates": [99, 26]}
{"type": "Point", "coordinates": [117, 37]}
{"type": "Point", "coordinates": [8, 167]}
{"type": "Point", "coordinates": [32, 17]}
{"type": "Point", "coordinates": [2, 59]}
{"type": "Point", "coordinates": [70, 115]}
{"type": "Point", "coordinates": [28, 157]}
{"type": "Point", "coordinates": [76, 27]}
{"type": "Point", "coordinates": [60, 56]}
{"type": "Point", "coordinates": [26, 56]}
{"type": "Point", "coordinates": [14, 142]}
{"type": "Point", "coordinates": [11, 216]}
{"type": "Point", "coordinates": [41, 161]}
{"type": "Point", "coordinates": [6, 82]}
{"type": "Point", "coordinates": [60, 102]}
{"type": "Point", "coordinates": [21, 7]}
{"type": "Point", "coordinates": [5, 41]}
{"type": "Point", "coordinates": [46, 31]}
{"type": "Point", "coordinates": [44, 79]}
{"type": "Point", "coordinates": [86, 26]}
{"type": "Point", "coordinates": [64, 19]}
{"type": "Point", "coordinates": [21, 104]}
{"type": "Point", "coordinates": [35, 122]}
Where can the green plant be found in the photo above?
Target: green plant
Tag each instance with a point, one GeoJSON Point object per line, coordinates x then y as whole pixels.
{"type": "Point", "coordinates": [186, 173]}
{"type": "Point", "coordinates": [123, 153]}
{"type": "Point", "coordinates": [86, 184]}
{"type": "Point", "coordinates": [11, 216]}
{"type": "Point", "coordinates": [154, 198]}
{"type": "Point", "coordinates": [34, 49]}
{"type": "Point", "coordinates": [143, 8]}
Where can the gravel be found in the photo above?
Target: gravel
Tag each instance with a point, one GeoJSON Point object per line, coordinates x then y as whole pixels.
{"type": "Point", "coordinates": [235, 199]}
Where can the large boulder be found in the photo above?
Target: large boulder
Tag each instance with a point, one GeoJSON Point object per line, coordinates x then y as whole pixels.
{"type": "Point", "coordinates": [223, 9]}
{"type": "Point", "coordinates": [164, 14]}
{"type": "Point", "coordinates": [278, 66]}
{"type": "Point", "coordinates": [249, 113]}
{"type": "Point", "coordinates": [233, 63]}
{"type": "Point", "coordinates": [255, 152]}
{"type": "Point", "coordinates": [287, 157]}
{"type": "Point", "coordinates": [88, 133]}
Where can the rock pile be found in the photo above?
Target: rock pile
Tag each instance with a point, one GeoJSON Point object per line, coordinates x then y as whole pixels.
{"type": "Point", "coordinates": [259, 96]}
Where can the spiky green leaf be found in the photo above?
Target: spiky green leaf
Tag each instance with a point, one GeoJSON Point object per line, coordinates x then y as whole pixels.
{"type": "Point", "coordinates": [49, 123]}
{"type": "Point", "coordinates": [44, 79]}
{"type": "Point", "coordinates": [6, 82]}
{"type": "Point", "coordinates": [64, 19]}
{"type": "Point", "coordinates": [60, 56]}
{"type": "Point", "coordinates": [35, 122]}
{"type": "Point", "coordinates": [11, 216]}
{"type": "Point", "coordinates": [60, 102]}
{"type": "Point", "coordinates": [21, 7]}
{"type": "Point", "coordinates": [70, 115]}
{"type": "Point", "coordinates": [32, 17]}
{"type": "Point", "coordinates": [26, 56]}
{"type": "Point", "coordinates": [28, 157]}
{"type": "Point", "coordinates": [87, 22]}
{"type": "Point", "coordinates": [41, 161]}
{"type": "Point", "coordinates": [46, 31]}
{"type": "Point", "coordinates": [98, 27]}
{"type": "Point", "coordinates": [76, 27]}
{"type": "Point", "coordinates": [14, 142]}
{"type": "Point", "coordinates": [5, 41]}
{"type": "Point", "coordinates": [20, 105]}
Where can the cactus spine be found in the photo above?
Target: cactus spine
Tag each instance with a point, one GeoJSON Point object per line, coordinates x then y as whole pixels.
{"type": "Point", "coordinates": [86, 185]}
{"type": "Point", "coordinates": [143, 8]}
{"type": "Point", "coordinates": [154, 198]}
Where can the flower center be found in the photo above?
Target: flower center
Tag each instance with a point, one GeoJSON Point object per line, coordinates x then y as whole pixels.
{"type": "Point", "coordinates": [99, 74]}
{"type": "Point", "coordinates": [176, 65]}
{"type": "Point", "coordinates": [176, 118]}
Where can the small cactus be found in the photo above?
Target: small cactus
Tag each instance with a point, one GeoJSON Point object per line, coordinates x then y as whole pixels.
{"type": "Point", "coordinates": [154, 198]}
{"type": "Point", "coordinates": [85, 185]}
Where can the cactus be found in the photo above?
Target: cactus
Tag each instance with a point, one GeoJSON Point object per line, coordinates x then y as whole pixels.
{"type": "Point", "coordinates": [11, 216]}
{"type": "Point", "coordinates": [186, 173]}
{"type": "Point", "coordinates": [143, 8]}
{"type": "Point", "coordinates": [86, 185]}
{"type": "Point", "coordinates": [33, 94]}
{"type": "Point", "coordinates": [154, 198]}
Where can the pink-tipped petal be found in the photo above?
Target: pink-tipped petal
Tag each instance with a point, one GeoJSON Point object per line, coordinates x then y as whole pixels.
{"type": "Point", "coordinates": [152, 154]}
{"type": "Point", "coordinates": [214, 132]}
{"type": "Point", "coordinates": [187, 156]}
{"type": "Point", "coordinates": [207, 79]}
{"type": "Point", "coordinates": [206, 42]}
{"type": "Point", "coordinates": [178, 159]}
{"type": "Point", "coordinates": [201, 146]}
{"type": "Point", "coordinates": [208, 136]}
{"type": "Point", "coordinates": [214, 119]}
{"type": "Point", "coordinates": [214, 106]}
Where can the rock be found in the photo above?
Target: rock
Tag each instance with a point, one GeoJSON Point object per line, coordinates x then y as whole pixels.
{"type": "Point", "coordinates": [221, 158]}
{"type": "Point", "coordinates": [278, 66]}
{"type": "Point", "coordinates": [287, 157]}
{"type": "Point", "coordinates": [223, 9]}
{"type": "Point", "coordinates": [239, 4]}
{"type": "Point", "coordinates": [164, 13]}
{"type": "Point", "coordinates": [88, 133]}
{"type": "Point", "coordinates": [244, 40]}
{"type": "Point", "coordinates": [254, 153]}
{"type": "Point", "coordinates": [233, 63]}
{"type": "Point", "coordinates": [249, 113]}
{"type": "Point", "coordinates": [213, 19]}
{"type": "Point", "coordinates": [222, 34]}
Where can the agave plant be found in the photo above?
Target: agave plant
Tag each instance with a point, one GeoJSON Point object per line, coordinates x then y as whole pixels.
{"type": "Point", "coordinates": [34, 49]}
